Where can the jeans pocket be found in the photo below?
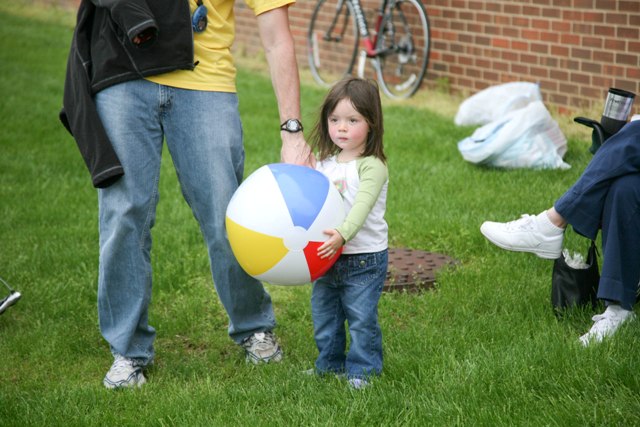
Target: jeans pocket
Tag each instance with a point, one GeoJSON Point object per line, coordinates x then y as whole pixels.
{"type": "Point", "coordinates": [366, 269]}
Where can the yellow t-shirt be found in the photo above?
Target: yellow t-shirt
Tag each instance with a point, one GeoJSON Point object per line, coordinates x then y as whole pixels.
{"type": "Point", "coordinates": [212, 48]}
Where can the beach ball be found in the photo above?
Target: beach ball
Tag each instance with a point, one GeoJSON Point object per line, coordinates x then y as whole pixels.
{"type": "Point", "coordinates": [275, 222]}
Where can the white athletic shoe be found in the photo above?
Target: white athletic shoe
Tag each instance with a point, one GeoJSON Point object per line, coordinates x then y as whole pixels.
{"type": "Point", "coordinates": [262, 347]}
{"type": "Point", "coordinates": [530, 233]}
{"type": "Point", "coordinates": [124, 373]}
{"type": "Point", "coordinates": [606, 324]}
{"type": "Point", "coordinates": [358, 383]}
{"type": "Point", "coordinates": [7, 302]}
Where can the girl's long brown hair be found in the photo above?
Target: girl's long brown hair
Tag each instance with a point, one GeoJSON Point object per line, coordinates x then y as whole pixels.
{"type": "Point", "coordinates": [365, 98]}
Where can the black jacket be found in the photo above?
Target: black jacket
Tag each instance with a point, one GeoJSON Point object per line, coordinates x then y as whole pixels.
{"type": "Point", "coordinates": [102, 54]}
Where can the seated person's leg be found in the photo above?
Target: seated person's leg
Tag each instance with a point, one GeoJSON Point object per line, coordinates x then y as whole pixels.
{"type": "Point", "coordinates": [621, 257]}
{"type": "Point", "coordinates": [621, 242]}
{"type": "Point", "coordinates": [581, 206]}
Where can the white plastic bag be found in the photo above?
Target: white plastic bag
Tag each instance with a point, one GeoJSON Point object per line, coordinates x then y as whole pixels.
{"type": "Point", "coordinates": [494, 102]}
{"type": "Point", "coordinates": [525, 138]}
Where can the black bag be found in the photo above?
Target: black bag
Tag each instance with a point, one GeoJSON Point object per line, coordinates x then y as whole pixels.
{"type": "Point", "coordinates": [575, 287]}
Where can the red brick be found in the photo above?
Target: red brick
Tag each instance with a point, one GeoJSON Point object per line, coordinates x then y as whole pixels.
{"type": "Point", "coordinates": [551, 13]}
{"type": "Point", "coordinates": [547, 86]}
{"type": "Point", "coordinates": [549, 61]}
{"type": "Point", "coordinates": [572, 15]}
{"type": "Point", "coordinates": [628, 33]}
{"type": "Point", "coordinates": [529, 59]}
{"type": "Point", "coordinates": [578, 28]}
{"type": "Point", "coordinates": [595, 42]}
{"type": "Point", "coordinates": [520, 45]}
{"type": "Point", "coordinates": [511, 32]}
{"type": "Point", "coordinates": [580, 53]}
{"type": "Point", "coordinates": [520, 21]}
{"type": "Point", "coordinates": [615, 45]}
{"type": "Point", "coordinates": [490, 76]}
{"type": "Point", "coordinates": [622, 58]}
{"type": "Point", "coordinates": [558, 75]}
{"type": "Point", "coordinates": [633, 73]}
{"type": "Point", "coordinates": [491, 6]}
{"type": "Point", "coordinates": [591, 68]}
{"type": "Point", "coordinates": [612, 70]}
{"type": "Point", "coordinates": [583, 4]}
{"type": "Point", "coordinates": [540, 48]}
{"type": "Point", "coordinates": [604, 30]}
{"type": "Point", "coordinates": [583, 79]}
{"type": "Point", "coordinates": [616, 18]}
{"type": "Point", "coordinates": [550, 37]}
{"type": "Point", "coordinates": [519, 68]}
{"type": "Point", "coordinates": [570, 39]}
{"type": "Point", "coordinates": [509, 55]}
{"type": "Point", "coordinates": [500, 43]}
{"type": "Point", "coordinates": [605, 57]}
{"type": "Point", "coordinates": [531, 11]}
{"type": "Point", "coordinates": [561, 26]}
{"type": "Point", "coordinates": [629, 6]}
{"type": "Point", "coordinates": [561, 51]}
{"type": "Point", "coordinates": [540, 24]}
{"type": "Point", "coordinates": [539, 72]}
{"type": "Point", "coordinates": [512, 9]}
{"type": "Point", "coordinates": [589, 92]}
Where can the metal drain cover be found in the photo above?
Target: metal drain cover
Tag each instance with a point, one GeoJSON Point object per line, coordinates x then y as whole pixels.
{"type": "Point", "coordinates": [412, 270]}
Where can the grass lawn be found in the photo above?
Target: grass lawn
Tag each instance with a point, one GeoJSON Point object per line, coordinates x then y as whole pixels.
{"type": "Point", "coordinates": [482, 348]}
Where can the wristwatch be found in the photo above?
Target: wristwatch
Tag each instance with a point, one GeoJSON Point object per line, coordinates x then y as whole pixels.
{"type": "Point", "coordinates": [291, 125]}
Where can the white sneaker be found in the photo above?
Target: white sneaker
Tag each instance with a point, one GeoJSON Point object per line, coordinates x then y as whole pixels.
{"type": "Point", "coordinates": [358, 383]}
{"type": "Point", "coordinates": [535, 234]}
{"type": "Point", "coordinates": [262, 347]}
{"type": "Point", "coordinates": [124, 373]}
{"type": "Point", "coordinates": [7, 302]}
{"type": "Point", "coordinates": [606, 324]}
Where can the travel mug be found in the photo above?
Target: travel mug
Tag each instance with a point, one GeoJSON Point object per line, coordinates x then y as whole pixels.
{"type": "Point", "coordinates": [616, 110]}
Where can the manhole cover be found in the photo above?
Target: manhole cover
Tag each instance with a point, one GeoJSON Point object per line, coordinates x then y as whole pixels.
{"type": "Point", "coordinates": [411, 270]}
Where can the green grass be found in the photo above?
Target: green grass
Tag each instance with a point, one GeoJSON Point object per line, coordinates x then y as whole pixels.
{"type": "Point", "coordinates": [482, 348]}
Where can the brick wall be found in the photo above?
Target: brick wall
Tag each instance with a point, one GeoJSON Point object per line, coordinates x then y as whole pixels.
{"type": "Point", "coordinates": [576, 49]}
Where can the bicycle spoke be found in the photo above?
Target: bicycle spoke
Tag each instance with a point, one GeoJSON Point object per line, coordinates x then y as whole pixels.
{"type": "Point", "coordinates": [332, 41]}
{"type": "Point", "coordinates": [403, 47]}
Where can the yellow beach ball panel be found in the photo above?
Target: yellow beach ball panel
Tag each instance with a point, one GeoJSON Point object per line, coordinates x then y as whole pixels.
{"type": "Point", "coordinates": [257, 253]}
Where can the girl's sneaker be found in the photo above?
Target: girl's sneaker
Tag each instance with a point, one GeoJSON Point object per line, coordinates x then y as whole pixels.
{"type": "Point", "coordinates": [358, 383]}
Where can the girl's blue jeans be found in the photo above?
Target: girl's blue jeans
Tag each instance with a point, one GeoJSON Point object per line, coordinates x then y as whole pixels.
{"type": "Point", "coordinates": [349, 292]}
{"type": "Point", "coordinates": [203, 133]}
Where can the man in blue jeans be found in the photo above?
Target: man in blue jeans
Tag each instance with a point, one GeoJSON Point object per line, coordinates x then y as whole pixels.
{"type": "Point", "coordinates": [607, 197]}
{"type": "Point", "coordinates": [192, 104]}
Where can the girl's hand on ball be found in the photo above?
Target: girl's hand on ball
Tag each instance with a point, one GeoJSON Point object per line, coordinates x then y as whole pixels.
{"type": "Point", "coordinates": [332, 245]}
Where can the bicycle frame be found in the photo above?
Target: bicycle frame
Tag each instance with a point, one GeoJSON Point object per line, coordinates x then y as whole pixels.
{"type": "Point", "coordinates": [368, 40]}
{"type": "Point", "coordinates": [398, 58]}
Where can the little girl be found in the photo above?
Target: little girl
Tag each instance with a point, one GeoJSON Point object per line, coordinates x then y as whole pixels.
{"type": "Point", "coordinates": [348, 139]}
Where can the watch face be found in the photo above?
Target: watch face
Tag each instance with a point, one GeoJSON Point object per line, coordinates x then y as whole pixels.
{"type": "Point", "coordinates": [293, 125]}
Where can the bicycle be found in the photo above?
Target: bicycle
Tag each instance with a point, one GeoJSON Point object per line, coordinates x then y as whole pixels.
{"type": "Point", "coordinates": [398, 47]}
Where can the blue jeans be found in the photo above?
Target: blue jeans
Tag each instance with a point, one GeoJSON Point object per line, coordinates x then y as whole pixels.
{"type": "Point", "coordinates": [607, 196]}
{"type": "Point", "coordinates": [204, 137]}
{"type": "Point", "coordinates": [350, 292]}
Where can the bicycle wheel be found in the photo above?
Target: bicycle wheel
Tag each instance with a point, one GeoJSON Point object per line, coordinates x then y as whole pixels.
{"type": "Point", "coordinates": [403, 45]}
{"type": "Point", "coordinates": [332, 41]}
